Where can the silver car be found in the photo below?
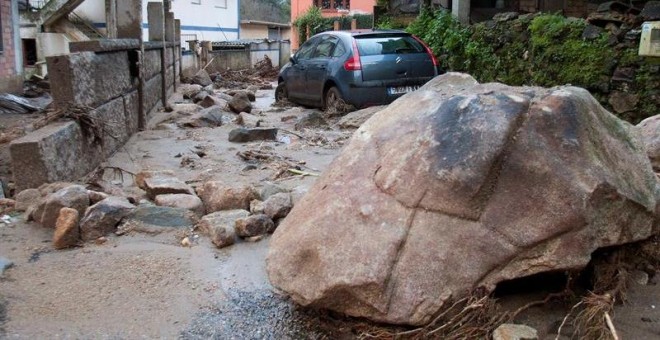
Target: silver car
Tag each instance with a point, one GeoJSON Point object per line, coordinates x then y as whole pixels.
{"type": "Point", "coordinates": [362, 68]}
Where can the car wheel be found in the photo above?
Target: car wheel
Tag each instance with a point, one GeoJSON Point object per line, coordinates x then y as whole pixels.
{"type": "Point", "coordinates": [333, 99]}
{"type": "Point", "coordinates": [281, 92]}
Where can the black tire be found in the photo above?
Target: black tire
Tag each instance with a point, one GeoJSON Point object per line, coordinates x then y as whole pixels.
{"type": "Point", "coordinates": [332, 98]}
{"type": "Point", "coordinates": [281, 92]}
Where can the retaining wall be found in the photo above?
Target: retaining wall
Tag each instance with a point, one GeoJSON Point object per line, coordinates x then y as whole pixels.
{"type": "Point", "coordinates": [105, 81]}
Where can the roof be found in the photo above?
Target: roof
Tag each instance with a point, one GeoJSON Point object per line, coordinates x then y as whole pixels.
{"type": "Point", "coordinates": [266, 23]}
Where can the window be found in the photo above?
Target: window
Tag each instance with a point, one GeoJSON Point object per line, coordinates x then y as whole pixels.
{"type": "Point", "coordinates": [305, 51]}
{"type": "Point", "coordinates": [196, 2]}
{"type": "Point", "coordinates": [339, 50]}
{"type": "Point", "coordinates": [220, 3]}
{"type": "Point", "coordinates": [333, 4]}
{"type": "Point", "coordinates": [324, 48]}
{"type": "Point", "coordinates": [29, 52]}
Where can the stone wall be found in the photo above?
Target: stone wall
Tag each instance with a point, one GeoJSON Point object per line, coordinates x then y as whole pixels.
{"type": "Point", "coordinates": [102, 80]}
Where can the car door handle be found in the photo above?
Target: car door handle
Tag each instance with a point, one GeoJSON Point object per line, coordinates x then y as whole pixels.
{"type": "Point", "coordinates": [322, 67]}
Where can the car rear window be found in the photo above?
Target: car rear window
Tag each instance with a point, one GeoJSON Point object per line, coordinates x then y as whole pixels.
{"type": "Point", "coordinates": [374, 45]}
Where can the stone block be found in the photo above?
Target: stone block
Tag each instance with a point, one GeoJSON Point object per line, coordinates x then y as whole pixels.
{"type": "Point", "coordinates": [152, 65]}
{"type": "Point", "coordinates": [104, 45]}
{"type": "Point", "coordinates": [87, 78]}
{"type": "Point", "coordinates": [156, 20]}
{"type": "Point", "coordinates": [114, 131]}
{"type": "Point", "coordinates": [152, 93]}
{"type": "Point", "coordinates": [129, 19]}
{"type": "Point", "coordinates": [56, 152]}
{"type": "Point", "coordinates": [131, 111]}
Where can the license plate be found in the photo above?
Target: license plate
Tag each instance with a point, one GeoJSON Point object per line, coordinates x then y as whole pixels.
{"type": "Point", "coordinates": [401, 89]}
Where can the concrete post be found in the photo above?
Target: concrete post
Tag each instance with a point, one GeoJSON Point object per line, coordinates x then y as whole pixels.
{"type": "Point", "coordinates": [336, 25]}
{"type": "Point", "coordinates": [169, 26]}
{"type": "Point", "coordinates": [129, 19]}
{"type": "Point", "coordinates": [177, 49]}
{"type": "Point", "coordinates": [156, 20]}
{"type": "Point", "coordinates": [111, 18]}
{"type": "Point", "coordinates": [206, 47]}
{"type": "Point", "coordinates": [461, 10]}
{"type": "Point", "coordinates": [353, 24]}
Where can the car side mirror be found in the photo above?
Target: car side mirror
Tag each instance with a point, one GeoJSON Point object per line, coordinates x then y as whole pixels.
{"type": "Point", "coordinates": [293, 59]}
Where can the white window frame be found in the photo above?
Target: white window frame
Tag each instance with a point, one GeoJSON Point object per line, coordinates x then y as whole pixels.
{"type": "Point", "coordinates": [218, 3]}
{"type": "Point", "coordinates": [196, 2]}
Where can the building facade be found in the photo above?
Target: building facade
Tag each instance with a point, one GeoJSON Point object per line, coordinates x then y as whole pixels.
{"type": "Point", "coordinates": [11, 60]}
{"type": "Point", "coordinates": [329, 9]}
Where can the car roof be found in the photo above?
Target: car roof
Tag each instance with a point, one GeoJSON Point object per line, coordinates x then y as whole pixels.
{"type": "Point", "coordinates": [360, 32]}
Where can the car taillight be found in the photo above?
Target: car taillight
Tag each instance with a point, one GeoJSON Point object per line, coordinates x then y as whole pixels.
{"type": "Point", "coordinates": [428, 50]}
{"type": "Point", "coordinates": [353, 63]}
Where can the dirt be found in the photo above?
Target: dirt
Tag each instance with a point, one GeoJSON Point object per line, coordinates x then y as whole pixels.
{"type": "Point", "coordinates": [12, 126]}
{"type": "Point", "coordinates": [146, 286]}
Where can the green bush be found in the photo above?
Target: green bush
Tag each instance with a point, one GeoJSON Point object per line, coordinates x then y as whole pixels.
{"type": "Point", "coordinates": [539, 50]}
{"type": "Point", "coordinates": [317, 23]}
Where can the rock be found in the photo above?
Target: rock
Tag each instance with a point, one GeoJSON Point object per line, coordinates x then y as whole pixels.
{"type": "Point", "coordinates": [7, 204]}
{"type": "Point", "coordinates": [256, 207]}
{"type": "Point", "coordinates": [640, 277]}
{"type": "Point", "coordinates": [649, 129]}
{"type": "Point", "coordinates": [278, 205]}
{"type": "Point", "coordinates": [462, 185]}
{"type": "Point", "coordinates": [506, 16]}
{"type": "Point", "coordinates": [143, 175]}
{"type": "Point", "coordinates": [312, 120]}
{"type": "Point", "coordinates": [200, 96]}
{"type": "Point", "coordinates": [651, 11]}
{"type": "Point", "coordinates": [209, 117]}
{"type": "Point", "coordinates": [510, 331]}
{"type": "Point", "coordinates": [270, 189]}
{"type": "Point", "coordinates": [27, 198]}
{"type": "Point", "coordinates": [103, 217]}
{"type": "Point", "coordinates": [250, 95]}
{"type": "Point", "coordinates": [219, 226]}
{"type": "Point", "coordinates": [225, 97]}
{"type": "Point", "coordinates": [623, 102]}
{"type": "Point", "coordinates": [202, 78]}
{"type": "Point", "coordinates": [254, 225]}
{"type": "Point", "coordinates": [96, 196]}
{"type": "Point", "coordinates": [190, 202]}
{"type": "Point", "coordinates": [243, 135]}
{"type": "Point", "coordinates": [297, 194]}
{"type": "Point", "coordinates": [249, 120]}
{"type": "Point", "coordinates": [160, 183]}
{"type": "Point", "coordinates": [186, 108]}
{"type": "Point", "coordinates": [189, 91]}
{"type": "Point", "coordinates": [153, 219]}
{"type": "Point", "coordinates": [591, 32]}
{"type": "Point", "coordinates": [209, 101]}
{"type": "Point", "coordinates": [240, 103]}
{"type": "Point", "coordinates": [253, 89]}
{"type": "Point", "coordinates": [219, 196]}
{"type": "Point", "coordinates": [355, 119]}
{"type": "Point", "coordinates": [5, 264]}
{"type": "Point", "coordinates": [2, 190]}
{"type": "Point", "coordinates": [74, 196]}
{"type": "Point", "coordinates": [625, 74]}
{"type": "Point", "coordinates": [67, 232]}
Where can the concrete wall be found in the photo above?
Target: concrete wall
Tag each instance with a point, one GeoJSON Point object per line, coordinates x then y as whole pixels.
{"type": "Point", "coordinates": [189, 65]}
{"type": "Point", "coordinates": [259, 31]}
{"type": "Point", "coordinates": [99, 79]}
{"type": "Point", "coordinates": [231, 59]}
{"type": "Point", "coordinates": [11, 77]}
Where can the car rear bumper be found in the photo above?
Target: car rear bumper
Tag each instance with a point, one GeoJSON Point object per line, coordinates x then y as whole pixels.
{"type": "Point", "coordinates": [370, 93]}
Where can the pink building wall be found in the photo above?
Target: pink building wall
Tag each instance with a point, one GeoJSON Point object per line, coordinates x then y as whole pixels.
{"type": "Point", "coordinates": [299, 7]}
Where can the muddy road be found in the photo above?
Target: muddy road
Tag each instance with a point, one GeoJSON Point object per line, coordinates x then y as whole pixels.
{"type": "Point", "coordinates": [141, 285]}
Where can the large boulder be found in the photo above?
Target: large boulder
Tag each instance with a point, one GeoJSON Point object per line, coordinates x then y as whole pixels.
{"type": "Point", "coordinates": [462, 185]}
{"type": "Point", "coordinates": [649, 128]}
{"type": "Point", "coordinates": [240, 103]}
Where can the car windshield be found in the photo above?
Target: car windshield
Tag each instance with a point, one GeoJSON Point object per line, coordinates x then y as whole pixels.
{"type": "Point", "coordinates": [374, 45]}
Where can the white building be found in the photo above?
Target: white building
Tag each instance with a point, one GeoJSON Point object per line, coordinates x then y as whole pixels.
{"type": "Point", "coordinates": [212, 20]}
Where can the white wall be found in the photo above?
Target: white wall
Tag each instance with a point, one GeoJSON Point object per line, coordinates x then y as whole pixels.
{"type": "Point", "coordinates": [205, 20]}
